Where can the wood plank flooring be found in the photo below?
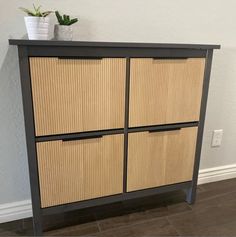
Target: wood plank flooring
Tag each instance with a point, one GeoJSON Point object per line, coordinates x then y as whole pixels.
{"type": "Point", "coordinates": [213, 214]}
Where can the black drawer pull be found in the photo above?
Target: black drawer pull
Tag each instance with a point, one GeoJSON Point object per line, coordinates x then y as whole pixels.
{"type": "Point", "coordinates": [81, 57]}
{"type": "Point", "coordinates": [81, 138]}
{"type": "Point", "coordinates": [163, 130]}
{"type": "Point", "coordinates": [170, 58]}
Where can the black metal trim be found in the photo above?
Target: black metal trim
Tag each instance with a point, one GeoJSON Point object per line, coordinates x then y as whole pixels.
{"type": "Point", "coordinates": [78, 135]}
{"type": "Point", "coordinates": [81, 57]}
{"type": "Point", "coordinates": [81, 138]}
{"type": "Point", "coordinates": [127, 92]}
{"type": "Point", "coordinates": [163, 127]}
{"type": "Point", "coordinates": [191, 193]}
{"type": "Point", "coordinates": [170, 58]}
{"type": "Point", "coordinates": [30, 138]}
{"type": "Point", "coordinates": [115, 198]}
{"type": "Point", "coordinates": [113, 52]}
{"type": "Point", "coordinates": [57, 43]}
{"type": "Point", "coordinates": [163, 130]}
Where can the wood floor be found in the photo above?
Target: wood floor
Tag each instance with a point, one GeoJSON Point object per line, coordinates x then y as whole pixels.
{"type": "Point", "coordinates": [214, 214]}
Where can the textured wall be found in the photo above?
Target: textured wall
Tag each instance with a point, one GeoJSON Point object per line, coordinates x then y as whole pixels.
{"type": "Point", "coordinates": [183, 21]}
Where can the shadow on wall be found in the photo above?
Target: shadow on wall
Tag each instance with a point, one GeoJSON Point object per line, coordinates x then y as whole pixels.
{"type": "Point", "coordinates": [13, 155]}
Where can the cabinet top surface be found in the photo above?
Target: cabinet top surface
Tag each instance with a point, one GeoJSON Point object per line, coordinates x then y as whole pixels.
{"type": "Point", "coordinates": [25, 42]}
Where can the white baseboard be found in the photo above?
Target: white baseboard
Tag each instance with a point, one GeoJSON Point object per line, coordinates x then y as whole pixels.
{"type": "Point", "coordinates": [216, 174]}
{"type": "Point", "coordinates": [15, 210]}
{"type": "Point", "coordinates": [23, 209]}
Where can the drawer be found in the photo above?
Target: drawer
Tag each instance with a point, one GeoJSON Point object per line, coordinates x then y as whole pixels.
{"type": "Point", "coordinates": [76, 95]}
{"type": "Point", "coordinates": [160, 158]}
{"type": "Point", "coordinates": [165, 91]}
{"type": "Point", "coordinates": [71, 171]}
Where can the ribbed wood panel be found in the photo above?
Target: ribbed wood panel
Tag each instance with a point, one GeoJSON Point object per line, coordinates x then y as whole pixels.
{"type": "Point", "coordinates": [79, 170]}
{"type": "Point", "coordinates": [157, 159]}
{"type": "Point", "coordinates": [73, 95]}
{"type": "Point", "coordinates": [165, 91]}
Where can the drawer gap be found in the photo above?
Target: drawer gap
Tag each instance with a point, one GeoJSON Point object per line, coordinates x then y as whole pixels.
{"type": "Point", "coordinates": [81, 138]}
{"type": "Point", "coordinates": [163, 127]}
{"type": "Point", "coordinates": [79, 135]}
{"type": "Point", "coordinates": [163, 130]}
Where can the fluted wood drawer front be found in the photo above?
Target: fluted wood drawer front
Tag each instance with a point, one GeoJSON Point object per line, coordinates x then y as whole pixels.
{"type": "Point", "coordinates": [162, 158]}
{"type": "Point", "coordinates": [75, 95]}
{"type": "Point", "coordinates": [165, 91]}
{"type": "Point", "coordinates": [72, 171]}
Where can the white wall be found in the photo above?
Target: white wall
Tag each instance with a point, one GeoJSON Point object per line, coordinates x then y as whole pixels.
{"type": "Point", "coordinates": [182, 21]}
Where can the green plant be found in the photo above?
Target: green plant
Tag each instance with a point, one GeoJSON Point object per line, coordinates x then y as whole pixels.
{"type": "Point", "coordinates": [65, 19]}
{"type": "Point", "coordinates": [35, 12]}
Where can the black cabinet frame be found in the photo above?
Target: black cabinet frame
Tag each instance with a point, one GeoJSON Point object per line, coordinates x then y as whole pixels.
{"type": "Point", "coordinates": [32, 48]}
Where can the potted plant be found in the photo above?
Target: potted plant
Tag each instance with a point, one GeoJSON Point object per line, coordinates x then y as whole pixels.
{"type": "Point", "coordinates": [63, 30]}
{"type": "Point", "coordinates": [37, 23]}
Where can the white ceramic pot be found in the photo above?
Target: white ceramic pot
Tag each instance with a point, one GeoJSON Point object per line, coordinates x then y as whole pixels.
{"type": "Point", "coordinates": [37, 27]}
{"type": "Point", "coordinates": [62, 32]}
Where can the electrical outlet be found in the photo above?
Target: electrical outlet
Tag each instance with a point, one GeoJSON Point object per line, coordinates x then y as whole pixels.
{"type": "Point", "coordinates": [217, 138]}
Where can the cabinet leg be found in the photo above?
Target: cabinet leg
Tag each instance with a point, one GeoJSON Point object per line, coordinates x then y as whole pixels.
{"type": "Point", "coordinates": [37, 226]}
{"type": "Point", "coordinates": [190, 195]}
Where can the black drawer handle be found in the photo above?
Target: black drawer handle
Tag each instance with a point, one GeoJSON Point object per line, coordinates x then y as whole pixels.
{"type": "Point", "coordinates": [163, 130]}
{"type": "Point", "coordinates": [81, 57]}
{"type": "Point", "coordinates": [170, 58]}
{"type": "Point", "coordinates": [81, 138]}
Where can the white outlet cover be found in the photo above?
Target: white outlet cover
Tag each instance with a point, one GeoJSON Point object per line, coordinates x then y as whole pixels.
{"type": "Point", "coordinates": [217, 138]}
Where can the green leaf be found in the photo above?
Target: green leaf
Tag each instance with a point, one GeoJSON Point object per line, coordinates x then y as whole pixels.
{"type": "Point", "coordinates": [28, 12]}
{"type": "Point", "coordinates": [59, 17]}
{"type": "Point", "coordinates": [36, 11]}
{"type": "Point", "coordinates": [73, 21]}
{"type": "Point", "coordinates": [65, 19]}
{"type": "Point", "coordinates": [44, 14]}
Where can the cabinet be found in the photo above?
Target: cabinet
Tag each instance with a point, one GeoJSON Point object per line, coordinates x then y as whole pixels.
{"type": "Point", "coordinates": [157, 158]}
{"type": "Point", "coordinates": [76, 170]}
{"type": "Point", "coordinates": [108, 122]}
{"type": "Point", "coordinates": [76, 95]}
{"type": "Point", "coordinates": [165, 91]}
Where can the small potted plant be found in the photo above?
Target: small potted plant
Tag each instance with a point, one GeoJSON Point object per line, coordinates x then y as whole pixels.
{"type": "Point", "coordinates": [37, 23]}
{"type": "Point", "coordinates": [63, 30]}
